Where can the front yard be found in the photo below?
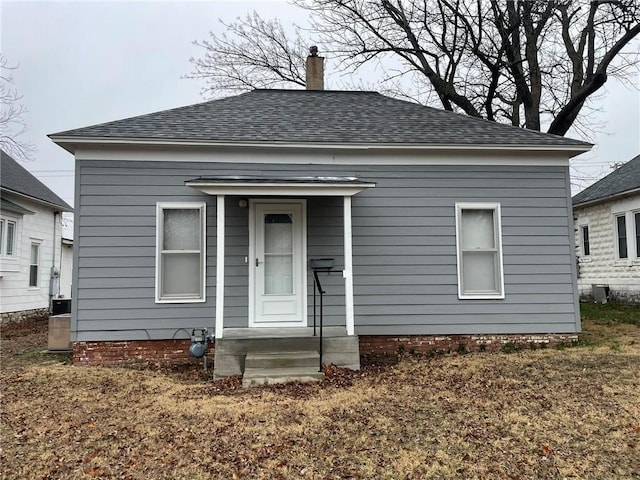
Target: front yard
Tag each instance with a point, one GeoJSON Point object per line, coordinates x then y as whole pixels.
{"type": "Point", "coordinates": [571, 413]}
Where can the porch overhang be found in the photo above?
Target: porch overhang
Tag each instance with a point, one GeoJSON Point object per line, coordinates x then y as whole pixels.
{"type": "Point", "coordinates": [278, 186]}
{"type": "Point", "coordinates": [223, 186]}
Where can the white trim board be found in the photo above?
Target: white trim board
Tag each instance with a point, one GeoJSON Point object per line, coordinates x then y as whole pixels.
{"type": "Point", "coordinates": [71, 143]}
{"type": "Point", "coordinates": [327, 157]}
{"type": "Point", "coordinates": [290, 189]}
{"type": "Point", "coordinates": [220, 237]}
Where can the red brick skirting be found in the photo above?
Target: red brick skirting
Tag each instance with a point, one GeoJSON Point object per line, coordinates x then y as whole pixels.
{"type": "Point", "coordinates": [421, 344]}
{"type": "Point", "coordinates": [152, 352]}
{"type": "Point", "coordinates": [176, 352]}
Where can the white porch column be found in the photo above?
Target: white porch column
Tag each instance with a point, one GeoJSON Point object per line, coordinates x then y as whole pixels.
{"type": "Point", "coordinates": [219, 265]}
{"type": "Point", "coordinates": [348, 267]}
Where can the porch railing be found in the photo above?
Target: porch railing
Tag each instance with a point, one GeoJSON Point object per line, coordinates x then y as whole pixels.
{"type": "Point", "coordinates": [319, 265]}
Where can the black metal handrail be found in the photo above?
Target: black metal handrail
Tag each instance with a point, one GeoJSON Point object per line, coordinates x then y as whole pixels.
{"type": "Point", "coordinates": [318, 285]}
{"type": "Point", "coordinates": [319, 265]}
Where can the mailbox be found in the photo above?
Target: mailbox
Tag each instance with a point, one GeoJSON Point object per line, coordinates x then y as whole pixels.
{"type": "Point", "coordinates": [322, 264]}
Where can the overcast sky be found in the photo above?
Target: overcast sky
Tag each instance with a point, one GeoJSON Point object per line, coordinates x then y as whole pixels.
{"type": "Point", "coordinates": [82, 63]}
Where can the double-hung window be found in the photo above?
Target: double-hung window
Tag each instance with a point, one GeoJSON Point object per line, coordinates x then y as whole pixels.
{"type": "Point", "coordinates": [621, 236]}
{"type": "Point", "coordinates": [7, 238]}
{"type": "Point", "coordinates": [584, 234]}
{"type": "Point", "coordinates": [636, 221]}
{"type": "Point", "coordinates": [180, 257]}
{"type": "Point", "coordinates": [34, 265]}
{"type": "Point", "coordinates": [479, 245]}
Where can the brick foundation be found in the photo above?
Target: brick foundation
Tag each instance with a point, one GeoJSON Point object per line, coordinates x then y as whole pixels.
{"type": "Point", "coordinates": [38, 314]}
{"type": "Point", "coordinates": [176, 352]}
{"type": "Point", "coordinates": [421, 344]}
{"type": "Point", "coordinates": [136, 352]}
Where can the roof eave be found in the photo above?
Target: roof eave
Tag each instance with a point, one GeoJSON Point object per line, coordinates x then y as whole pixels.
{"type": "Point", "coordinates": [608, 198]}
{"type": "Point", "coordinates": [70, 143]}
{"type": "Point", "coordinates": [54, 206]}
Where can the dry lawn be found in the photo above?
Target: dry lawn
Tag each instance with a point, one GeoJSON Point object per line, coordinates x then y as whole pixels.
{"type": "Point", "coordinates": [572, 413]}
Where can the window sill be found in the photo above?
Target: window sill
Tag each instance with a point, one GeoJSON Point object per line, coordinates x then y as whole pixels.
{"type": "Point", "coordinates": [622, 263]}
{"type": "Point", "coordinates": [181, 300]}
{"type": "Point", "coordinates": [584, 259]}
{"type": "Point", "coordinates": [495, 296]}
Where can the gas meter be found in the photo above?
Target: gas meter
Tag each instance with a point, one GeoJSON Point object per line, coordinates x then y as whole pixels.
{"type": "Point", "coordinates": [198, 342]}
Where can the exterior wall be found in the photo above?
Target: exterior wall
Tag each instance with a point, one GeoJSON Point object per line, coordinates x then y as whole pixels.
{"type": "Point", "coordinates": [14, 284]}
{"type": "Point", "coordinates": [602, 265]}
{"type": "Point", "coordinates": [404, 249]}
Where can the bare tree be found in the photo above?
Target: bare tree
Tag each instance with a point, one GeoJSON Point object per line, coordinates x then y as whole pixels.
{"type": "Point", "coordinates": [529, 63]}
{"type": "Point", "coordinates": [12, 125]}
{"type": "Point", "coordinates": [255, 53]}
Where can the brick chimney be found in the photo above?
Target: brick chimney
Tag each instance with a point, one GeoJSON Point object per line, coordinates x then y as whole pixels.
{"type": "Point", "coordinates": [315, 70]}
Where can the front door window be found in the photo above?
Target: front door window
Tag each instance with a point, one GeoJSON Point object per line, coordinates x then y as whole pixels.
{"type": "Point", "coordinates": [278, 254]}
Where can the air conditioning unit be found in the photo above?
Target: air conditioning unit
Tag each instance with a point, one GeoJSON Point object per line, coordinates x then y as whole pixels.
{"type": "Point", "coordinates": [600, 293]}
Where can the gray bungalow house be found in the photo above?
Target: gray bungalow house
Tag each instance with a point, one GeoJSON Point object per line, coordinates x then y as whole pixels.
{"type": "Point", "coordinates": [443, 229]}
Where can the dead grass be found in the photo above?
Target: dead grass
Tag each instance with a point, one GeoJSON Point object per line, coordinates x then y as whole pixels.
{"type": "Point", "coordinates": [539, 414]}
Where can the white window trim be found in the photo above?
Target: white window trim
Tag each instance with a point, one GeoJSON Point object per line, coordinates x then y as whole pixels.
{"type": "Point", "coordinates": [160, 207]}
{"type": "Point", "coordinates": [584, 256]}
{"type": "Point", "coordinates": [6, 219]}
{"type": "Point", "coordinates": [630, 240]}
{"type": "Point", "coordinates": [34, 241]}
{"type": "Point", "coordinates": [498, 236]}
{"type": "Point", "coordinates": [10, 263]}
{"type": "Point", "coordinates": [634, 240]}
{"type": "Point", "coordinates": [626, 208]}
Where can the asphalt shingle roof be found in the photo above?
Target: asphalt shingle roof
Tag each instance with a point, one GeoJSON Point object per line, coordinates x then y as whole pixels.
{"type": "Point", "coordinates": [304, 116]}
{"type": "Point", "coordinates": [624, 179]}
{"type": "Point", "coordinates": [15, 178]}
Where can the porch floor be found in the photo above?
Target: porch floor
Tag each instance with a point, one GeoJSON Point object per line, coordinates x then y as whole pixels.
{"type": "Point", "coordinates": [282, 332]}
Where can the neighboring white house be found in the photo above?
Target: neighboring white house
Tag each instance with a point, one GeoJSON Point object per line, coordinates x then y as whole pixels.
{"type": "Point", "coordinates": [607, 229]}
{"type": "Point", "coordinates": [30, 243]}
{"type": "Point", "coordinates": [66, 267]}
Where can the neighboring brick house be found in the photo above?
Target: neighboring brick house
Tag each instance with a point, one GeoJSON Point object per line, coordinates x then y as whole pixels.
{"type": "Point", "coordinates": [30, 243]}
{"type": "Point", "coordinates": [607, 230]}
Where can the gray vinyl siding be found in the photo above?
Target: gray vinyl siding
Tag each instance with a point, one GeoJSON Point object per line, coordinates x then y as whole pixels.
{"type": "Point", "coordinates": [404, 254]}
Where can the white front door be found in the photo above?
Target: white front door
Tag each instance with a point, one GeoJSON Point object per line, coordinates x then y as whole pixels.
{"type": "Point", "coordinates": [277, 238]}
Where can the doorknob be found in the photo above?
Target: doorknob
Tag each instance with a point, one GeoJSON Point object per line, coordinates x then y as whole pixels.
{"type": "Point", "coordinates": [258, 262]}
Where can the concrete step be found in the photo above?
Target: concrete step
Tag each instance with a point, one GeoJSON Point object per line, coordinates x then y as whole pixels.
{"type": "Point", "coordinates": [282, 359]}
{"type": "Point", "coordinates": [268, 376]}
{"type": "Point", "coordinates": [266, 345]}
{"type": "Point", "coordinates": [231, 353]}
